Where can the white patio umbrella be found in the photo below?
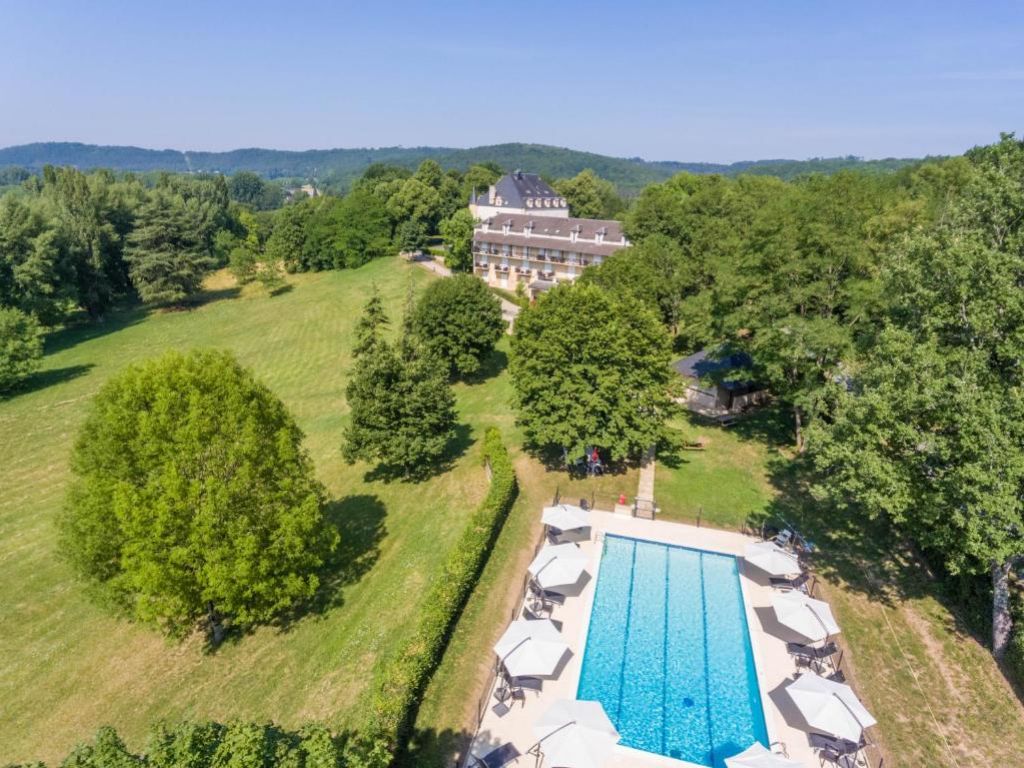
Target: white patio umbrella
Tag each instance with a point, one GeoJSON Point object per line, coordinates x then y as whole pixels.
{"type": "Point", "coordinates": [758, 756]}
{"type": "Point", "coordinates": [559, 565]}
{"type": "Point", "coordinates": [531, 647]}
{"type": "Point", "coordinates": [576, 734]}
{"type": "Point", "coordinates": [566, 517]}
{"type": "Point", "coordinates": [829, 706]}
{"type": "Point", "coordinates": [804, 615]}
{"type": "Point", "coordinates": [770, 557]}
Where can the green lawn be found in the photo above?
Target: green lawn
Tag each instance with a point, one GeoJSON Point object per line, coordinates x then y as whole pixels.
{"type": "Point", "coordinates": [723, 485]}
{"type": "Point", "coordinates": [933, 686]}
{"type": "Point", "coordinates": [67, 666]}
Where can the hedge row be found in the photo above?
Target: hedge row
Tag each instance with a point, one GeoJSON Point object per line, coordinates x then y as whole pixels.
{"type": "Point", "coordinates": [404, 679]}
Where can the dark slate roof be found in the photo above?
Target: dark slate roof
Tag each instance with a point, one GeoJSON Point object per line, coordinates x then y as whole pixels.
{"type": "Point", "coordinates": [514, 188]}
{"type": "Point", "coordinates": [556, 226]}
{"type": "Point", "coordinates": [701, 366]}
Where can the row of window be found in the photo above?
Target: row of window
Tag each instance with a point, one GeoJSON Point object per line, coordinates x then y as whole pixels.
{"type": "Point", "coordinates": [524, 252]}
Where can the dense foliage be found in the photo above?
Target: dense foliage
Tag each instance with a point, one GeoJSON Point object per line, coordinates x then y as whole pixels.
{"type": "Point", "coordinates": [589, 196]}
{"type": "Point", "coordinates": [194, 497]}
{"type": "Point", "coordinates": [590, 369]}
{"type": "Point", "coordinates": [459, 320]}
{"type": "Point", "coordinates": [21, 347]}
{"type": "Point", "coordinates": [71, 241]}
{"type": "Point", "coordinates": [931, 433]}
{"type": "Point", "coordinates": [457, 231]}
{"type": "Point", "coordinates": [402, 408]}
{"type": "Point", "coordinates": [211, 745]}
{"type": "Point", "coordinates": [250, 189]}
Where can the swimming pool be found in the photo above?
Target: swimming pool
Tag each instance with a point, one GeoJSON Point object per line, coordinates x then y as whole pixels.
{"type": "Point", "coordinates": [668, 652]}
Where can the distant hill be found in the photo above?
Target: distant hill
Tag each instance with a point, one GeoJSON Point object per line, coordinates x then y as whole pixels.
{"type": "Point", "coordinates": [341, 166]}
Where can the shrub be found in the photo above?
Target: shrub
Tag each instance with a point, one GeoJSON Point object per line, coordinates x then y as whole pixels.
{"type": "Point", "coordinates": [402, 681]}
{"type": "Point", "coordinates": [21, 347]}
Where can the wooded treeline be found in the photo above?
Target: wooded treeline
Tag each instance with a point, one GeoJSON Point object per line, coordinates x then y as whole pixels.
{"type": "Point", "coordinates": [886, 314]}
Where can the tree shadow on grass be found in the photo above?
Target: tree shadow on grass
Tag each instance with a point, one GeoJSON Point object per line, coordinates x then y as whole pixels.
{"type": "Point", "coordinates": [867, 556]}
{"type": "Point", "coordinates": [203, 298]}
{"type": "Point", "coordinates": [430, 748]}
{"type": "Point", "coordinates": [359, 521]}
{"type": "Point", "coordinates": [82, 330]}
{"type": "Point", "coordinates": [49, 378]}
{"type": "Point", "coordinates": [490, 367]}
{"type": "Point", "coordinates": [457, 447]}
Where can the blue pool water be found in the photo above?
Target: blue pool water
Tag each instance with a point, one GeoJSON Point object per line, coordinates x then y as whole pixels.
{"type": "Point", "coordinates": [668, 652]}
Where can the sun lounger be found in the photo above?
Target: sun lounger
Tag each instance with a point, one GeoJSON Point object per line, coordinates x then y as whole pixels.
{"type": "Point", "coordinates": [496, 758]}
{"type": "Point", "coordinates": [800, 582]}
{"type": "Point", "coordinates": [547, 595]}
{"type": "Point", "coordinates": [836, 746]}
{"type": "Point", "coordinates": [527, 683]}
{"type": "Point", "coordinates": [811, 651]}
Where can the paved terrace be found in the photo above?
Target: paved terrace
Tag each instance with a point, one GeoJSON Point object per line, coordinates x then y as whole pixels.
{"type": "Point", "coordinates": [775, 668]}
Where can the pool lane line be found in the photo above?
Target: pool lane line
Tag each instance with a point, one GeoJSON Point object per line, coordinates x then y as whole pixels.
{"type": "Point", "coordinates": [664, 657]}
{"type": "Point", "coordinates": [625, 635]}
{"type": "Point", "coordinates": [707, 666]}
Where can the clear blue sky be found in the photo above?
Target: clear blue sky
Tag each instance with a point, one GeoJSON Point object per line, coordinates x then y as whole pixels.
{"type": "Point", "coordinates": [718, 81]}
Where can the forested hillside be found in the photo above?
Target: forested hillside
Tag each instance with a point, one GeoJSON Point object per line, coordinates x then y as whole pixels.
{"type": "Point", "coordinates": [339, 167]}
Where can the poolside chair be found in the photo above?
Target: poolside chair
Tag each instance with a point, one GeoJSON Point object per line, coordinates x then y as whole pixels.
{"type": "Point", "coordinates": [812, 651]}
{"type": "Point", "coordinates": [810, 655]}
{"type": "Point", "coordinates": [799, 582]}
{"type": "Point", "coordinates": [783, 537]}
{"type": "Point", "coordinates": [546, 595]}
{"type": "Point", "coordinates": [534, 684]}
{"type": "Point", "coordinates": [834, 745]}
{"type": "Point", "coordinates": [496, 758]}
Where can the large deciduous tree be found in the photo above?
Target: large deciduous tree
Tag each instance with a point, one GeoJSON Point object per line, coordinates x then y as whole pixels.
{"type": "Point", "coordinates": [589, 196]}
{"type": "Point", "coordinates": [193, 496]}
{"type": "Point", "coordinates": [932, 434]}
{"type": "Point", "coordinates": [460, 321]}
{"type": "Point", "coordinates": [457, 231]}
{"type": "Point", "coordinates": [590, 368]}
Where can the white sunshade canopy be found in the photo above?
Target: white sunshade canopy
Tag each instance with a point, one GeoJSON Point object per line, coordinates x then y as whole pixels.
{"type": "Point", "coordinates": [566, 517]}
{"type": "Point", "coordinates": [804, 615]}
{"type": "Point", "coordinates": [531, 647]}
{"type": "Point", "coordinates": [576, 734]}
{"type": "Point", "coordinates": [560, 565]}
{"type": "Point", "coordinates": [759, 756]}
{"type": "Point", "coordinates": [829, 706]}
{"type": "Point", "coordinates": [771, 558]}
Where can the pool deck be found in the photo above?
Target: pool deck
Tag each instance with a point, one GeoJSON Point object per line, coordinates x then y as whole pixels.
{"type": "Point", "coordinates": [775, 668]}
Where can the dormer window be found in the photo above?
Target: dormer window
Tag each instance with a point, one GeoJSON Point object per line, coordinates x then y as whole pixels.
{"type": "Point", "coordinates": [574, 233]}
{"type": "Point", "coordinates": [547, 203]}
{"type": "Point", "coordinates": [529, 202]}
{"type": "Point", "coordinates": [506, 227]}
{"type": "Point", "coordinates": [487, 225]}
{"type": "Point", "coordinates": [599, 235]}
{"type": "Point", "coordinates": [498, 201]}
